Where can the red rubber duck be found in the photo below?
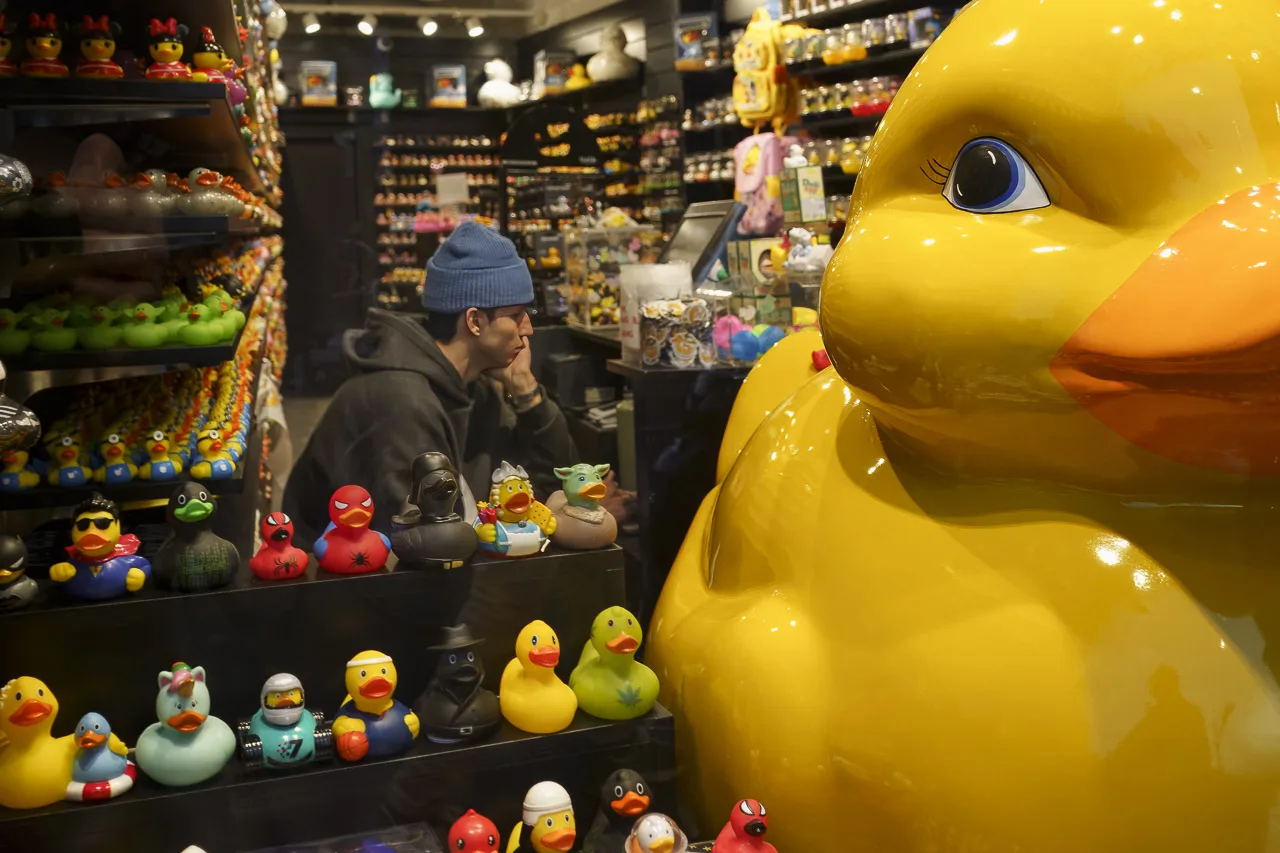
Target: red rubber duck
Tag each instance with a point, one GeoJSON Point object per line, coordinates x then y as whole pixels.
{"type": "Point", "coordinates": [278, 559]}
{"type": "Point", "coordinates": [473, 833]}
{"type": "Point", "coordinates": [744, 833]}
{"type": "Point", "coordinates": [348, 546]}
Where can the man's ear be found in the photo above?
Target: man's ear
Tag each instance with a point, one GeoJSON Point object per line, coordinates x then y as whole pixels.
{"type": "Point", "coordinates": [471, 321]}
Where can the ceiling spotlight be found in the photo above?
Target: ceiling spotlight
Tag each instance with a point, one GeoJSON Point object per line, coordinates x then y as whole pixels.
{"type": "Point", "coordinates": [428, 26]}
{"type": "Point", "coordinates": [475, 29]}
{"type": "Point", "coordinates": [366, 25]}
{"type": "Point", "coordinates": [311, 23]}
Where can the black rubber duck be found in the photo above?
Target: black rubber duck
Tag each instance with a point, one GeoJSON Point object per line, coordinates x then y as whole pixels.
{"type": "Point", "coordinates": [431, 534]}
{"type": "Point", "coordinates": [624, 798]}
{"type": "Point", "coordinates": [194, 558]}
{"type": "Point", "coordinates": [456, 706]}
{"type": "Point", "coordinates": [16, 588]}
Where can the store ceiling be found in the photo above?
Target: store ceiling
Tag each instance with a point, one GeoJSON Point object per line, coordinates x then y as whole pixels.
{"type": "Point", "coordinates": [501, 18]}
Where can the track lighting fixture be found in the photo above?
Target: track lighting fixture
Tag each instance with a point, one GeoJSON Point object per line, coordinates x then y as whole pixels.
{"type": "Point", "coordinates": [475, 29]}
{"type": "Point", "coordinates": [310, 23]}
{"type": "Point", "coordinates": [428, 26]}
{"type": "Point", "coordinates": [366, 25]}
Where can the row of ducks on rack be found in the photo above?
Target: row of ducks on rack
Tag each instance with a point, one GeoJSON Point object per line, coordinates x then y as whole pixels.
{"type": "Point", "coordinates": [153, 193]}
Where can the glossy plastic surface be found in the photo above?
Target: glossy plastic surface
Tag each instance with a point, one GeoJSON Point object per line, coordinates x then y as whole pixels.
{"type": "Point", "coordinates": [1007, 580]}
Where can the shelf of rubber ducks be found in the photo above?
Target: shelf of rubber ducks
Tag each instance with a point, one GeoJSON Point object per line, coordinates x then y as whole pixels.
{"type": "Point", "coordinates": [410, 221]}
{"type": "Point", "coordinates": [848, 72]}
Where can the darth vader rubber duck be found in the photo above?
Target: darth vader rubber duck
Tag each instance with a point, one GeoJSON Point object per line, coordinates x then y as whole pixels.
{"type": "Point", "coordinates": [456, 706]}
{"type": "Point", "coordinates": [431, 534]}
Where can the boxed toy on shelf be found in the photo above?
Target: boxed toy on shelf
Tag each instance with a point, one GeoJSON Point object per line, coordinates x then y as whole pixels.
{"type": "Point", "coordinates": [593, 259]}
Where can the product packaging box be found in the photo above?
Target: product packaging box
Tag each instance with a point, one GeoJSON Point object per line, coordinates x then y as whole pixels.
{"type": "Point", "coordinates": [692, 33]}
{"type": "Point", "coordinates": [448, 86]}
{"type": "Point", "coordinates": [319, 83]}
{"type": "Point", "coordinates": [761, 261]}
{"type": "Point", "coordinates": [551, 71]}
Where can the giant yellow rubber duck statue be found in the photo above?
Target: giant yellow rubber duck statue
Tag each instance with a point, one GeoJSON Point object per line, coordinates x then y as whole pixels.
{"type": "Point", "coordinates": [35, 767]}
{"type": "Point", "coordinates": [1048, 446]}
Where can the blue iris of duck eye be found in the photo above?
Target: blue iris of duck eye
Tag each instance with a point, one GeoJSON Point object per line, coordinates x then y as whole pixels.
{"type": "Point", "coordinates": [990, 176]}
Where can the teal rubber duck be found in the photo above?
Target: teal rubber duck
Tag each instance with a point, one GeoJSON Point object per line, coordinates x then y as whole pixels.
{"type": "Point", "coordinates": [13, 338]}
{"type": "Point", "coordinates": [141, 330]}
{"type": "Point", "coordinates": [102, 332]}
{"type": "Point", "coordinates": [200, 330]}
{"type": "Point", "coordinates": [50, 332]}
{"type": "Point", "coordinates": [608, 681]}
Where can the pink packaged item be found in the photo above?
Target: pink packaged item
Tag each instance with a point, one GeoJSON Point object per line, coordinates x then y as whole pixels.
{"type": "Point", "coordinates": [757, 182]}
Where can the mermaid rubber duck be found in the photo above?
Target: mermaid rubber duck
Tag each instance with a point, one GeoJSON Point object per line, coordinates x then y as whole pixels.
{"type": "Point", "coordinates": [161, 465]}
{"type": "Point", "coordinates": [35, 768]}
{"type": "Point", "coordinates": [16, 588]}
{"type": "Point", "coordinates": [188, 745]}
{"type": "Point", "coordinates": [103, 564]}
{"type": "Point", "coordinates": [531, 695]}
{"type": "Point", "coordinates": [348, 546]}
{"type": "Point", "coordinates": [371, 723]}
{"type": "Point", "coordinates": [512, 523]}
{"type": "Point", "coordinates": [16, 475]}
{"type": "Point", "coordinates": [116, 467]}
{"type": "Point", "coordinates": [608, 680]}
{"type": "Point", "coordinates": [101, 769]}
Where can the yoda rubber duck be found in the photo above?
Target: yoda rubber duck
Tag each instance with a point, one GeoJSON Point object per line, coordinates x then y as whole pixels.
{"type": "Point", "coordinates": [141, 330]}
{"type": "Point", "coordinates": [13, 338]}
{"type": "Point", "coordinates": [581, 523]}
{"type": "Point", "coordinates": [608, 681]}
{"type": "Point", "coordinates": [50, 333]}
{"type": "Point", "coordinates": [102, 331]}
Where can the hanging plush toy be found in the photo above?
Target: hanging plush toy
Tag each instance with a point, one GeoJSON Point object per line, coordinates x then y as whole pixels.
{"type": "Point", "coordinates": [762, 91]}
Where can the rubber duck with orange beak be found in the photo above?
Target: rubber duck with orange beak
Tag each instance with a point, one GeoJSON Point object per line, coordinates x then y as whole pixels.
{"type": "Point", "coordinates": [44, 43]}
{"type": "Point", "coordinates": [548, 824]}
{"type": "Point", "coordinates": [101, 769]}
{"type": "Point", "coordinates": [188, 744]}
{"type": "Point", "coordinates": [608, 680]}
{"type": "Point", "coordinates": [35, 767]}
{"type": "Point", "coordinates": [624, 797]}
{"type": "Point", "coordinates": [103, 564]}
{"type": "Point", "coordinates": [348, 546]}
{"type": "Point", "coordinates": [98, 44]}
{"type": "Point", "coordinates": [371, 722]}
{"type": "Point", "coordinates": [166, 51]}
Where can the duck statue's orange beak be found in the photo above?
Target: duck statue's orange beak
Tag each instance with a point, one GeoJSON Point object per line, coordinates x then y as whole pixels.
{"type": "Point", "coordinates": [1181, 360]}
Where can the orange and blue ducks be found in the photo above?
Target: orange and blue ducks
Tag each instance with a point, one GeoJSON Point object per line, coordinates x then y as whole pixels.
{"type": "Point", "coordinates": [16, 475]}
{"type": "Point", "coordinates": [102, 564]}
{"type": "Point", "coordinates": [166, 49]}
{"type": "Point", "coordinates": [348, 546]}
{"type": "Point", "coordinates": [188, 744]}
{"type": "Point", "coordinates": [101, 769]}
{"type": "Point", "coordinates": [371, 722]}
{"type": "Point", "coordinates": [162, 464]}
{"type": "Point", "coordinates": [66, 470]}
{"type": "Point", "coordinates": [97, 45]}
{"type": "Point", "coordinates": [531, 695]}
{"type": "Point", "coordinates": [8, 68]}
{"type": "Point", "coordinates": [210, 60]}
{"type": "Point", "coordinates": [35, 767]}
{"type": "Point", "coordinates": [116, 465]}
{"type": "Point", "coordinates": [213, 460]}
{"type": "Point", "coordinates": [44, 43]}
{"type": "Point", "coordinates": [512, 523]}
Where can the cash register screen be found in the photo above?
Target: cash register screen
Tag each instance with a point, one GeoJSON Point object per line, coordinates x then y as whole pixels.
{"type": "Point", "coordinates": [701, 235]}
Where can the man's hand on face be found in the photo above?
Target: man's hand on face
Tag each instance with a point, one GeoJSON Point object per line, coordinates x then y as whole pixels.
{"type": "Point", "coordinates": [517, 377]}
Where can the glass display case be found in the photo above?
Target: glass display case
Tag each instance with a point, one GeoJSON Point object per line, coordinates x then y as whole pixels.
{"type": "Point", "coordinates": [593, 260]}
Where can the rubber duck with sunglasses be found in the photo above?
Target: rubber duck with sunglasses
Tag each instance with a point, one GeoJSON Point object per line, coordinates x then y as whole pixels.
{"type": "Point", "coordinates": [103, 564]}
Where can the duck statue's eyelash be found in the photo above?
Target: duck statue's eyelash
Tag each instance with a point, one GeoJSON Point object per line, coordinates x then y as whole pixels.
{"type": "Point", "coordinates": [935, 171]}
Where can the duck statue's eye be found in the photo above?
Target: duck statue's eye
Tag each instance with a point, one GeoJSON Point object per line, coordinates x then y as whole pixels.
{"type": "Point", "coordinates": [989, 176]}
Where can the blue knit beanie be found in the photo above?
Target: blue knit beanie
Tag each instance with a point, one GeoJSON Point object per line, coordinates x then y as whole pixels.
{"type": "Point", "coordinates": [476, 267]}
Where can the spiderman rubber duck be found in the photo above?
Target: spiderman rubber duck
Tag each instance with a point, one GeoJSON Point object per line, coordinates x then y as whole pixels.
{"type": "Point", "coordinates": [473, 833]}
{"type": "Point", "coordinates": [744, 833]}
{"type": "Point", "coordinates": [348, 546]}
{"type": "Point", "coordinates": [278, 559]}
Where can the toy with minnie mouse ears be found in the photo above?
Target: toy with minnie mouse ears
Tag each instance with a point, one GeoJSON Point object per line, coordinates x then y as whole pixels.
{"type": "Point", "coordinates": [97, 45]}
{"type": "Point", "coordinates": [8, 68]}
{"type": "Point", "coordinates": [44, 43]}
{"type": "Point", "coordinates": [278, 559]}
{"type": "Point", "coordinates": [166, 51]}
{"type": "Point", "coordinates": [210, 60]}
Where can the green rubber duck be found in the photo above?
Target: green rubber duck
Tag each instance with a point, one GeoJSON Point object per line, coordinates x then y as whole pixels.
{"type": "Point", "coordinates": [102, 332]}
{"type": "Point", "coordinates": [13, 338]}
{"type": "Point", "coordinates": [608, 681]}
{"type": "Point", "coordinates": [141, 330]}
{"type": "Point", "coordinates": [171, 306]}
{"type": "Point", "coordinates": [228, 307]}
{"type": "Point", "coordinates": [79, 314]}
{"type": "Point", "coordinates": [200, 330]}
{"type": "Point", "coordinates": [49, 332]}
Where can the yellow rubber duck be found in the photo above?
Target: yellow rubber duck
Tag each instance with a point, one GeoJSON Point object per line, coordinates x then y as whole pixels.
{"type": "Point", "coordinates": [371, 722]}
{"type": "Point", "coordinates": [15, 476]}
{"type": "Point", "coordinates": [531, 695]}
{"type": "Point", "coordinates": [66, 470]}
{"type": "Point", "coordinates": [512, 523]}
{"type": "Point", "coordinates": [1006, 573]}
{"type": "Point", "coordinates": [577, 78]}
{"type": "Point", "coordinates": [35, 768]}
{"type": "Point", "coordinates": [547, 824]}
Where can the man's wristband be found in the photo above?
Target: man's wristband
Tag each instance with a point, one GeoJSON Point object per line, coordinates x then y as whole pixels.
{"type": "Point", "coordinates": [524, 402]}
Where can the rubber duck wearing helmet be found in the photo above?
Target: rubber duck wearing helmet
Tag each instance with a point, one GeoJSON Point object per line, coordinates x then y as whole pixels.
{"type": "Point", "coordinates": [548, 824]}
{"type": "Point", "coordinates": [283, 733]}
{"type": "Point", "coordinates": [432, 534]}
{"type": "Point", "coordinates": [1048, 441]}
{"type": "Point", "coordinates": [102, 563]}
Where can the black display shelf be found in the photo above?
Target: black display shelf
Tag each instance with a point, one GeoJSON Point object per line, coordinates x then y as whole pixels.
{"type": "Point", "coordinates": [44, 496]}
{"type": "Point", "coordinates": [900, 59]}
{"type": "Point", "coordinates": [859, 10]}
{"type": "Point", "coordinates": [453, 167]}
{"type": "Point", "coordinates": [240, 810]}
{"type": "Point", "coordinates": [128, 233]}
{"type": "Point", "coordinates": [633, 85]}
{"type": "Point", "coordinates": [194, 119]}
{"type": "Point", "coordinates": [847, 121]}
{"type": "Point", "coordinates": [438, 149]}
{"type": "Point", "coordinates": [718, 68]}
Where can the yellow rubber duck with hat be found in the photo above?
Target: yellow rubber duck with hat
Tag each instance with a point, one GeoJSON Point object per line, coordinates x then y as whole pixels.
{"type": "Point", "coordinates": [548, 824]}
{"type": "Point", "coordinates": [1004, 577]}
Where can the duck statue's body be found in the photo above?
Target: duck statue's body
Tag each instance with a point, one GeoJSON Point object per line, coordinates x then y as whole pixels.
{"type": "Point", "coordinates": [1049, 621]}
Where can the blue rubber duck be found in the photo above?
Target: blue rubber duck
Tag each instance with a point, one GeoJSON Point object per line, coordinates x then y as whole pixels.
{"type": "Point", "coordinates": [102, 756]}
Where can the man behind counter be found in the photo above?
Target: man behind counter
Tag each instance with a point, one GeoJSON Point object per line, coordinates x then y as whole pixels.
{"type": "Point", "coordinates": [458, 381]}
